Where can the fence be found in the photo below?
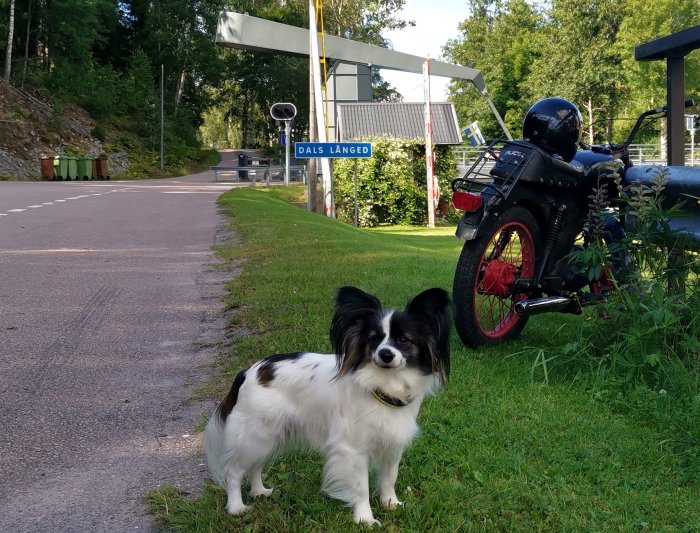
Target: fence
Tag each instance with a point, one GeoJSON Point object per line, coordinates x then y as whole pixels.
{"type": "Point", "coordinates": [640, 154]}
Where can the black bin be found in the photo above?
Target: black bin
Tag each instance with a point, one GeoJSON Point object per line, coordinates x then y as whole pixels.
{"type": "Point", "coordinates": [243, 162]}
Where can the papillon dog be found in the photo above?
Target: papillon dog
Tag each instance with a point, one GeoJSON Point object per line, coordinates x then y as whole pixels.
{"type": "Point", "coordinates": [358, 407]}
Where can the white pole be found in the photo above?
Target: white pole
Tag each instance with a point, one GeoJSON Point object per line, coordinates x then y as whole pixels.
{"type": "Point", "coordinates": [328, 203]}
{"type": "Point", "coordinates": [432, 189]}
{"type": "Point", "coordinates": [287, 143]}
{"type": "Point", "coordinates": [162, 128]}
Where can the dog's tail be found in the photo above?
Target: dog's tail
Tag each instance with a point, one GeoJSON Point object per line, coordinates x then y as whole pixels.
{"type": "Point", "coordinates": [214, 446]}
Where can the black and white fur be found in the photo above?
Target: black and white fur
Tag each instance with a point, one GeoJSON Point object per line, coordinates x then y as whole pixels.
{"type": "Point", "coordinates": [358, 408]}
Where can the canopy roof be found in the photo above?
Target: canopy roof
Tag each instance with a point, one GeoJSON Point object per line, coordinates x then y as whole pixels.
{"type": "Point", "coordinates": [397, 119]}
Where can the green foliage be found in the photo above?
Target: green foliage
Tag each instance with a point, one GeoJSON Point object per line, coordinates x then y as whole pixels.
{"type": "Point", "coordinates": [391, 185]}
{"type": "Point", "coordinates": [99, 132]}
{"type": "Point", "coordinates": [501, 39]}
{"type": "Point", "coordinates": [582, 51]}
{"type": "Point", "coordinates": [641, 347]}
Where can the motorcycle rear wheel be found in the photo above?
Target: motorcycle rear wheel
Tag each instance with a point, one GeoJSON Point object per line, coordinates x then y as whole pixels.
{"type": "Point", "coordinates": [488, 266]}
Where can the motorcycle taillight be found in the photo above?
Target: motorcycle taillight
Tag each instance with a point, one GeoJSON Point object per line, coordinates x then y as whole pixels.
{"type": "Point", "coordinates": [465, 201]}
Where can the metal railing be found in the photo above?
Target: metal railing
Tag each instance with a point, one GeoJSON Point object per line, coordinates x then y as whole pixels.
{"type": "Point", "coordinates": [640, 154]}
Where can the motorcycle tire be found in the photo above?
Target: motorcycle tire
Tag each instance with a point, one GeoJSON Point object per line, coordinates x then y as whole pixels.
{"type": "Point", "coordinates": [483, 292]}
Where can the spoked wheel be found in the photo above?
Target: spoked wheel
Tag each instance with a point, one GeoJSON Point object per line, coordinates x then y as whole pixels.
{"type": "Point", "coordinates": [484, 286]}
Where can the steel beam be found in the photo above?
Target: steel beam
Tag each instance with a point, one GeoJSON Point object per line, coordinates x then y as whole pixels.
{"type": "Point", "coordinates": [673, 48]}
{"type": "Point", "coordinates": [237, 30]}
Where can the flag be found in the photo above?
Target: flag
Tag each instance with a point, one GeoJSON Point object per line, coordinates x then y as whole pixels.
{"type": "Point", "coordinates": [474, 135]}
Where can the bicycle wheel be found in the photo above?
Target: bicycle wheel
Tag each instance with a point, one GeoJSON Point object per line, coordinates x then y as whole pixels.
{"type": "Point", "coordinates": [484, 291]}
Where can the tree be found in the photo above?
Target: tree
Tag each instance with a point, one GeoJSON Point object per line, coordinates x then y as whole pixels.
{"type": "Point", "coordinates": [645, 21]}
{"type": "Point", "coordinates": [363, 21]}
{"type": "Point", "coordinates": [579, 60]}
{"type": "Point", "coordinates": [8, 51]}
{"type": "Point", "coordinates": [499, 39]}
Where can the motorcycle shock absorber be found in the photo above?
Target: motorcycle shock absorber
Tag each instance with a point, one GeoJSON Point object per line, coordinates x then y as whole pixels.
{"type": "Point", "coordinates": [552, 235]}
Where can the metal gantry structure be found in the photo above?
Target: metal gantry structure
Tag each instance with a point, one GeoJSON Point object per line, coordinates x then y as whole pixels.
{"type": "Point", "coordinates": [238, 30]}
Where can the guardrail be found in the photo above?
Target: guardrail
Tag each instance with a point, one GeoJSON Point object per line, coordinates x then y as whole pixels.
{"type": "Point", "coordinates": [269, 172]}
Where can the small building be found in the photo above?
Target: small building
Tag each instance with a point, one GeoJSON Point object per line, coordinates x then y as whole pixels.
{"type": "Point", "coordinates": [401, 120]}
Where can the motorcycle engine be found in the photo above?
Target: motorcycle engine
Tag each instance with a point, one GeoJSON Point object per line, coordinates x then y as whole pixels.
{"type": "Point", "coordinates": [573, 273]}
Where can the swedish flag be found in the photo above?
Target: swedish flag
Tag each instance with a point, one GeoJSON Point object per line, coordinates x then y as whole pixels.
{"type": "Point", "coordinates": [474, 135]}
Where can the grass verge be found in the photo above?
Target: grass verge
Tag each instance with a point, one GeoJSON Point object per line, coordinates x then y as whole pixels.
{"type": "Point", "coordinates": [500, 449]}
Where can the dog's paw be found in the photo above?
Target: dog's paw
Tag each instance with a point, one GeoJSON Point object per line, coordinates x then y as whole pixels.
{"type": "Point", "coordinates": [391, 503]}
{"type": "Point", "coordinates": [262, 492]}
{"type": "Point", "coordinates": [238, 510]}
{"type": "Point", "coordinates": [368, 521]}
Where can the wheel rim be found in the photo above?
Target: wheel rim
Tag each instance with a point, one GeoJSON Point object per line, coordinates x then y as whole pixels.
{"type": "Point", "coordinates": [510, 254]}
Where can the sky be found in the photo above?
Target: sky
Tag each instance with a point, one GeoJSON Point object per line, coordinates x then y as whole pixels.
{"type": "Point", "coordinates": [436, 22]}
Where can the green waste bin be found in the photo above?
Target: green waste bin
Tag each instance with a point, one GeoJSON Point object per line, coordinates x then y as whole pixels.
{"type": "Point", "coordinates": [84, 168]}
{"type": "Point", "coordinates": [72, 167]}
{"type": "Point", "coordinates": [61, 166]}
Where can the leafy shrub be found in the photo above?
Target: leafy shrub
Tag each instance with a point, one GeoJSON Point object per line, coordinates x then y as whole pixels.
{"type": "Point", "coordinates": [99, 132]}
{"type": "Point", "coordinates": [642, 347]}
{"type": "Point", "coordinates": [391, 185]}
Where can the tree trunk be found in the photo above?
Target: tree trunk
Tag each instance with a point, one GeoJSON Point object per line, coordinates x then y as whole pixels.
{"type": "Point", "coordinates": [180, 89]}
{"type": "Point", "coordinates": [590, 120]}
{"type": "Point", "coordinates": [26, 41]}
{"type": "Point", "coordinates": [244, 121]}
{"type": "Point", "coordinates": [10, 35]}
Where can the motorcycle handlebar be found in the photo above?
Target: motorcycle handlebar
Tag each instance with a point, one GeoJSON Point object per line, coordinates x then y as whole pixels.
{"type": "Point", "coordinates": [661, 111]}
{"type": "Point", "coordinates": [688, 103]}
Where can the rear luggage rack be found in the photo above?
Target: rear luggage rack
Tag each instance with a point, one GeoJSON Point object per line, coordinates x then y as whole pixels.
{"type": "Point", "coordinates": [493, 175]}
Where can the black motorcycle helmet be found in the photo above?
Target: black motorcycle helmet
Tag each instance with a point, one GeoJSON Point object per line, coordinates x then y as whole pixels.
{"type": "Point", "coordinates": [555, 125]}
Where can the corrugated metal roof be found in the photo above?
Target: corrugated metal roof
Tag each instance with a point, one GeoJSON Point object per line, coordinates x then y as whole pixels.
{"type": "Point", "coordinates": [397, 119]}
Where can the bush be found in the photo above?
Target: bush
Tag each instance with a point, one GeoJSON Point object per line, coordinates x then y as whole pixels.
{"type": "Point", "coordinates": [642, 347]}
{"type": "Point", "coordinates": [391, 185]}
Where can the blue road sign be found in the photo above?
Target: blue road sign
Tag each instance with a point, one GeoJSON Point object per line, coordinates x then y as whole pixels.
{"type": "Point", "coordinates": [305, 150]}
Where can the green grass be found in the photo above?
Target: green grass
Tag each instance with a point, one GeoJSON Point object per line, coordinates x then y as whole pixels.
{"type": "Point", "coordinates": [499, 449]}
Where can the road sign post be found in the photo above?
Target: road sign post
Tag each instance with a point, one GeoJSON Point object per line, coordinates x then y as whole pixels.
{"type": "Point", "coordinates": [285, 112]}
{"type": "Point", "coordinates": [344, 150]}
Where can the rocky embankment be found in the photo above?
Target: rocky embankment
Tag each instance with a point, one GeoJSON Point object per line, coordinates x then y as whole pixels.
{"type": "Point", "coordinates": [32, 129]}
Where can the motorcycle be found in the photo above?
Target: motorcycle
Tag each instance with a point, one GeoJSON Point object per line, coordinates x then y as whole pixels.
{"type": "Point", "coordinates": [525, 203]}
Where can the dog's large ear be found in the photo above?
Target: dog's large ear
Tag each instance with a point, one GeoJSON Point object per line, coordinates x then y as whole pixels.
{"type": "Point", "coordinates": [436, 305]}
{"type": "Point", "coordinates": [353, 308]}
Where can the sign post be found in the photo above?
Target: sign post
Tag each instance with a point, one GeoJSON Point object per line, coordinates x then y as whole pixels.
{"type": "Point", "coordinates": [690, 126]}
{"type": "Point", "coordinates": [344, 150]}
{"type": "Point", "coordinates": [285, 112]}
{"type": "Point", "coordinates": [431, 182]}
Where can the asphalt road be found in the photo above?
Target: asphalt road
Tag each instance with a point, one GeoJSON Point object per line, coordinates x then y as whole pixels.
{"type": "Point", "coordinates": [108, 308]}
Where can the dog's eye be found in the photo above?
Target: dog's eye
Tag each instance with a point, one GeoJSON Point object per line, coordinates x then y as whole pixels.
{"type": "Point", "coordinates": [404, 340]}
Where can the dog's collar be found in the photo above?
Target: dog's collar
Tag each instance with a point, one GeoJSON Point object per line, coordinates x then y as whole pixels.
{"type": "Point", "coordinates": [390, 401]}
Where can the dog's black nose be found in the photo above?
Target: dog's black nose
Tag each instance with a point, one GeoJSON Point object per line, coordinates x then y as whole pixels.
{"type": "Point", "coordinates": [385, 355]}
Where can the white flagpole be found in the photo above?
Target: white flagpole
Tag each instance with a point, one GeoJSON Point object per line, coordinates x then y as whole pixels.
{"type": "Point", "coordinates": [328, 202]}
{"type": "Point", "coordinates": [430, 179]}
